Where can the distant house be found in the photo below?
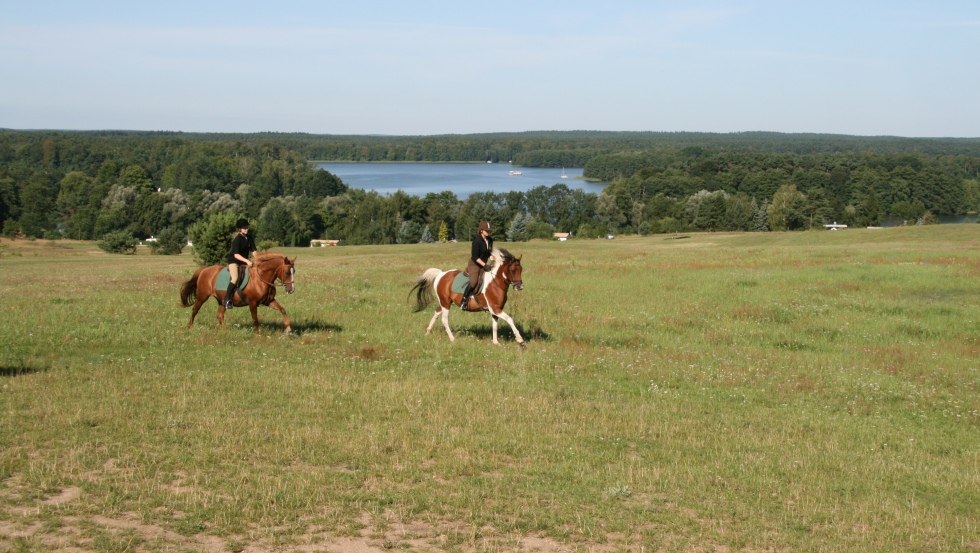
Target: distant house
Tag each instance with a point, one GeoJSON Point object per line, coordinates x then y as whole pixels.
{"type": "Point", "coordinates": [562, 236]}
{"type": "Point", "coordinates": [323, 243]}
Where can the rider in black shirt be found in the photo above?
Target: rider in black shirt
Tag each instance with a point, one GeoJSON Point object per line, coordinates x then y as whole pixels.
{"type": "Point", "coordinates": [242, 247]}
{"type": "Point", "coordinates": [479, 255]}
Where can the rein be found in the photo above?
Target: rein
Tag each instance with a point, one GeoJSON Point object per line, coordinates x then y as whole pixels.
{"type": "Point", "coordinates": [267, 283]}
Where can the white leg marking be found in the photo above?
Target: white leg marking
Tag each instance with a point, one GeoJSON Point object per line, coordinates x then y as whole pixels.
{"type": "Point", "coordinates": [432, 322]}
{"type": "Point", "coordinates": [445, 323]}
{"type": "Point", "coordinates": [510, 321]}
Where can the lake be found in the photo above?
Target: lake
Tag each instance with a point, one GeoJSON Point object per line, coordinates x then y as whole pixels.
{"type": "Point", "coordinates": [463, 179]}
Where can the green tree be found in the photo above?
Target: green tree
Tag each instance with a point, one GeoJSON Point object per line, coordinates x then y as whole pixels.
{"type": "Point", "coordinates": [817, 209]}
{"type": "Point", "coordinates": [739, 210]}
{"type": "Point", "coordinates": [170, 241]}
{"type": "Point", "coordinates": [211, 238]}
{"type": "Point", "coordinates": [786, 210]}
{"type": "Point", "coordinates": [37, 206]}
{"type": "Point", "coordinates": [317, 183]}
{"type": "Point", "coordinates": [9, 198]}
{"type": "Point", "coordinates": [426, 236]}
{"type": "Point", "coordinates": [409, 232]}
{"type": "Point", "coordinates": [760, 219]}
{"type": "Point", "coordinates": [277, 222]}
{"type": "Point", "coordinates": [517, 231]}
{"type": "Point", "coordinates": [610, 216]}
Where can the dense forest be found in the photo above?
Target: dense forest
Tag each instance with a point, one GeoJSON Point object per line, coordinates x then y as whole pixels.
{"type": "Point", "coordinates": [86, 185]}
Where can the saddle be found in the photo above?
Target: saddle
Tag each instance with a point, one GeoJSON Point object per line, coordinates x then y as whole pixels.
{"type": "Point", "coordinates": [463, 279]}
{"type": "Point", "coordinates": [221, 282]}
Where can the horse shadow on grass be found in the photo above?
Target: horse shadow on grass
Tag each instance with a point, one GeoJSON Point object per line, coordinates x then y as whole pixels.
{"type": "Point", "coordinates": [300, 327]}
{"type": "Point", "coordinates": [12, 370]}
{"type": "Point", "coordinates": [530, 332]}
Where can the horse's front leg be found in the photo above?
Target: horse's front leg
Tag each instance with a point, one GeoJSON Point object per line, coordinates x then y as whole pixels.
{"type": "Point", "coordinates": [254, 310]}
{"type": "Point", "coordinates": [513, 327]}
{"type": "Point", "coordinates": [285, 318]}
{"type": "Point", "coordinates": [221, 313]}
{"type": "Point", "coordinates": [493, 324]}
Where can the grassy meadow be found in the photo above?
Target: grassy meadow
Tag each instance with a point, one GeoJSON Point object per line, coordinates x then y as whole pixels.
{"type": "Point", "coordinates": [812, 391]}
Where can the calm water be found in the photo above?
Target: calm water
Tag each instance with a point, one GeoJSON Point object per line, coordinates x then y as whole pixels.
{"type": "Point", "coordinates": [463, 179]}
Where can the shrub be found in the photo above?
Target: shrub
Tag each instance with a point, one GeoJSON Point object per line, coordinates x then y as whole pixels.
{"type": "Point", "coordinates": [266, 245]}
{"type": "Point", "coordinates": [119, 241]}
{"type": "Point", "coordinates": [540, 229]}
{"type": "Point", "coordinates": [212, 238]}
{"type": "Point", "coordinates": [171, 241]}
{"type": "Point", "coordinates": [928, 219]}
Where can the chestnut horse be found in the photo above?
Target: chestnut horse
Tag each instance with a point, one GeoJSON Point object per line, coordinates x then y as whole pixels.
{"type": "Point", "coordinates": [260, 289]}
{"type": "Point", "coordinates": [436, 283]}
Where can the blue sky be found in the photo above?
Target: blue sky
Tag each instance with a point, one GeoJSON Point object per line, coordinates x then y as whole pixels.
{"type": "Point", "coordinates": [394, 67]}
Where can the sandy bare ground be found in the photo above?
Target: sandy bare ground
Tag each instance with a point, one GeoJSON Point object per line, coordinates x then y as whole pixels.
{"type": "Point", "coordinates": [40, 527]}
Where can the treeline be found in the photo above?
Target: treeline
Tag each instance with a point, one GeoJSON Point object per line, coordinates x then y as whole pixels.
{"type": "Point", "coordinates": [85, 185]}
{"type": "Point", "coordinates": [859, 188]}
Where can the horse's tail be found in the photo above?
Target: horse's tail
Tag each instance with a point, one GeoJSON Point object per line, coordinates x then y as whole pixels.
{"type": "Point", "coordinates": [424, 294]}
{"type": "Point", "coordinates": [188, 292]}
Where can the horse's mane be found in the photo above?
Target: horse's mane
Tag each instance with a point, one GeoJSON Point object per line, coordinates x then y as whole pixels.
{"type": "Point", "coordinates": [503, 255]}
{"type": "Point", "coordinates": [267, 256]}
{"type": "Point", "coordinates": [263, 259]}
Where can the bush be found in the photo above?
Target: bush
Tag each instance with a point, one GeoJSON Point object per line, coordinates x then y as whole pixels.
{"type": "Point", "coordinates": [266, 245]}
{"type": "Point", "coordinates": [212, 238]}
{"type": "Point", "coordinates": [171, 241]}
{"type": "Point", "coordinates": [11, 228]}
{"type": "Point", "coordinates": [540, 229]}
{"type": "Point", "coordinates": [928, 219]}
{"type": "Point", "coordinates": [119, 241]}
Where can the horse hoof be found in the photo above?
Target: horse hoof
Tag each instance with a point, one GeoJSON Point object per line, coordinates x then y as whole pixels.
{"type": "Point", "coordinates": [523, 345]}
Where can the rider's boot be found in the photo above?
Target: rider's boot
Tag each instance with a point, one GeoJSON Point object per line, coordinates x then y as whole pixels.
{"type": "Point", "coordinates": [230, 296]}
{"type": "Point", "coordinates": [466, 298]}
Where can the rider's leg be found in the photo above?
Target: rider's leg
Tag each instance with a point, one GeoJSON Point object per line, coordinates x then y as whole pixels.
{"type": "Point", "coordinates": [232, 279]}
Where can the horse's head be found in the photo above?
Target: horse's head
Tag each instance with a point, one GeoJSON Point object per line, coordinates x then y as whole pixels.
{"type": "Point", "coordinates": [512, 272]}
{"type": "Point", "coordinates": [287, 274]}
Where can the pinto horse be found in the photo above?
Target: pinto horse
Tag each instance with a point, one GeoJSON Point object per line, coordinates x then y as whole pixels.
{"type": "Point", "coordinates": [260, 289]}
{"type": "Point", "coordinates": [438, 284]}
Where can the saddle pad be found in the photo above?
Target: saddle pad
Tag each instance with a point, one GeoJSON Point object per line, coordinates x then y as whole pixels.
{"type": "Point", "coordinates": [461, 281]}
{"type": "Point", "coordinates": [222, 282]}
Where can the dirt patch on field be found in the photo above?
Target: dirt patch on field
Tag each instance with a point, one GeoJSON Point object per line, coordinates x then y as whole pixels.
{"type": "Point", "coordinates": [39, 525]}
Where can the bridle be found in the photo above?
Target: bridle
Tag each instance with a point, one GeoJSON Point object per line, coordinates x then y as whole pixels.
{"type": "Point", "coordinates": [288, 284]}
{"type": "Point", "coordinates": [505, 274]}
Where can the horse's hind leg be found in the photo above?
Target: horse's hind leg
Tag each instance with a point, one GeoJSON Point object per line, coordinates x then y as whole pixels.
{"type": "Point", "coordinates": [445, 323]}
{"type": "Point", "coordinates": [197, 307]}
{"type": "Point", "coordinates": [432, 321]}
